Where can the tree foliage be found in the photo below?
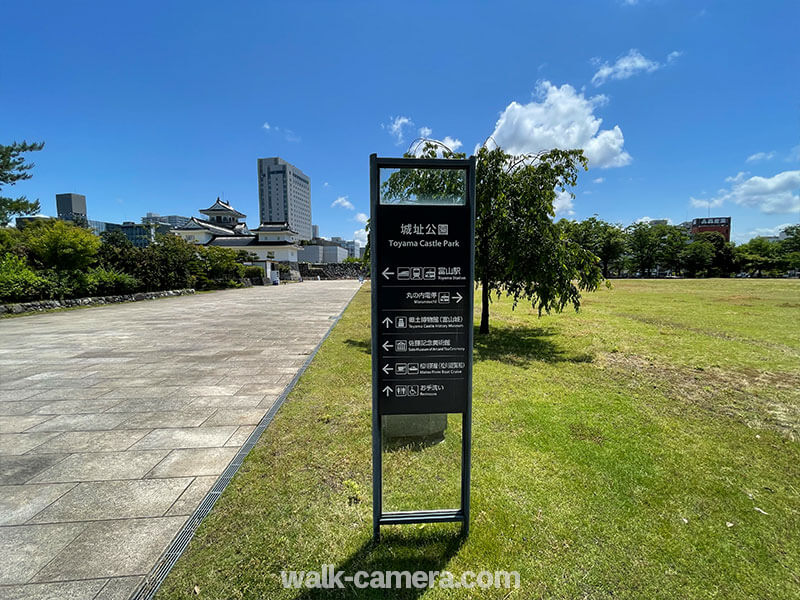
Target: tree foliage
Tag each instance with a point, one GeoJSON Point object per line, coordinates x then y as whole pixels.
{"type": "Point", "coordinates": [13, 168]}
{"type": "Point", "coordinates": [642, 247]}
{"type": "Point", "coordinates": [519, 251]}
{"type": "Point", "coordinates": [605, 240]}
{"type": "Point", "coordinates": [60, 245]}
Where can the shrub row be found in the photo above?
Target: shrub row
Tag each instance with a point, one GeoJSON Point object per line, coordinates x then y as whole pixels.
{"type": "Point", "coordinates": [60, 260]}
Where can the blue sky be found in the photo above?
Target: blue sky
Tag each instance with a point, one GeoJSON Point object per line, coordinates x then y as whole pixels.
{"type": "Point", "coordinates": [163, 106]}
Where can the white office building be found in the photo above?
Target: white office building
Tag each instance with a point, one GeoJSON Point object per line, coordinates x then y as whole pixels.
{"type": "Point", "coordinates": [284, 195]}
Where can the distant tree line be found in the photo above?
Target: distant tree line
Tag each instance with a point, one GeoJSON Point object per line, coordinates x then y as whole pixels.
{"type": "Point", "coordinates": [658, 250]}
{"type": "Point", "coordinates": [55, 259]}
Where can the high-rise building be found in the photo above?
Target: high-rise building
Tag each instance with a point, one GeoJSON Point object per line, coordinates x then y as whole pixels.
{"type": "Point", "coordinates": [314, 232]}
{"type": "Point", "coordinates": [70, 205]}
{"type": "Point", "coordinates": [284, 194]}
{"type": "Point", "coordinates": [721, 225]}
{"type": "Point", "coordinates": [171, 220]}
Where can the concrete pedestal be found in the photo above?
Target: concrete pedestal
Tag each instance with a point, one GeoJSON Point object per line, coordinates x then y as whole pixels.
{"type": "Point", "coordinates": [403, 430]}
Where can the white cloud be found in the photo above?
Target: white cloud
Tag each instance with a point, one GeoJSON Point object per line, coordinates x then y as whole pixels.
{"type": "Point", "coordinates": [700, 203]}
{"type": "Point", "coordinates": [599, 180]}
{"type": "Point", "coordinates": [343, 202]}
{"type": "Point", "coordinates": [794, 154]}
{"type": "Point", "coordinates": [288, 134]}
{"type": "Point", "coordinates": [326, 184]}
{"type": "Point", "coordinates": [760, 156]}
{"type": "Point", "coordinates": [650, 220]}
{"type": "Point", "coordinates": [562, 118]}
{"type": "Point", "coordinates": [452, 143]}
{"type": "Point", "coordinates": [425, 132]}
{"type": "Point", "coordinates": [396, 128]}
{"type": "Point", "coordinates": [626, 66]}
{"type": "Point", "coordinates": [360, 236]}
{"type": "Point", "coordinates": [738, 178]}
{"type": "Point", "coordinates": [768, 231]}
{"type": "Point", "coordinates": [563, 204]}
{"type": "Point", "coordinates": [361, 218]}
{"type": "Point", "coordinates": [771, 195]}
{"type": "Point", "coordinates": [673, 56]}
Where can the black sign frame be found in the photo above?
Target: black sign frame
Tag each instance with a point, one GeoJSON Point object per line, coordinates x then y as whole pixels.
{"type": "Point", "coordinates": [379, 278]}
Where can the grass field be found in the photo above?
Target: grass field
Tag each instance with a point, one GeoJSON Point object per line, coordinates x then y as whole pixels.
{"type": "Point", "coordinates": [645, 447]}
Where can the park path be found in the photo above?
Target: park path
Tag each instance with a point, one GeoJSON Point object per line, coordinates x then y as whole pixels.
{"type": "Point", "coordinates": [115, 422]}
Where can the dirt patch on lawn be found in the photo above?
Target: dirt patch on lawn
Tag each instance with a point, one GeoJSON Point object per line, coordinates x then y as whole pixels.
{"type": "Point", "coordinates": [761, 399]}
{"type": "Point", "coordinates": [662, 322]}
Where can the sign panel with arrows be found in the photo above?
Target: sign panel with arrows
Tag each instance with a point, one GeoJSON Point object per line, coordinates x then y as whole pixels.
{"type": "Point", "coordinates": [423, 295]}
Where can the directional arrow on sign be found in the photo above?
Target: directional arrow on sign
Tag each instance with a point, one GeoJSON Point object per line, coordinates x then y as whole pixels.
{"type": "Point", "coordinates": [387, 321]}
{"type": "Point", "coordinates": [387, 346]}
{"type": "Point", "coordinates": [387, 368]}
{"type": "Point", "coordinates": [387, 390]}
{"type": "Point", "coordinates": [386, 272]}
{"type": "Point", "coordinates": [458, 297]}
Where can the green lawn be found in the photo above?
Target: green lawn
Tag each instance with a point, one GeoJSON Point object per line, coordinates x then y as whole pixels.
{"type": "Point", "coordinates": [620, 452]}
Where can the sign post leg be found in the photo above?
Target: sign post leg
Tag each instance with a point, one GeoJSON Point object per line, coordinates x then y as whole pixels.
{"type": "Point", "coordinates": [466, 459]}
{"type": "Point", "coordinates": [377, 476]}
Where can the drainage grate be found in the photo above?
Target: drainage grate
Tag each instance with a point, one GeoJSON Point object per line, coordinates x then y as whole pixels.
{"type": "Point", "coordinates": [148, 588]}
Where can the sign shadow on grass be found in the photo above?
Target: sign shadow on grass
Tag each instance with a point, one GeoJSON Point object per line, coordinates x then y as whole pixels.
{"type": "Point", "coordinates": [517, 346]}
{"type": "Point", "coordinates": [426, 550]}
{"type": "Point", "coordinates": [364, 346]}
{"type": "Point", "coordinates": [521, 345]}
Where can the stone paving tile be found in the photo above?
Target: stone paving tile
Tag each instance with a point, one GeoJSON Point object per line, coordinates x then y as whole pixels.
{"type": "Point", "coordinates": [26, 549]}
{"type": "Point", "coordinates": [18, 503]}
{"type": "Point", "coordinates": [76, 386]}
{"type": "Point", "coordinates": [140, 381]}
{"type": "Point", "coordinates": [14, 395]}
{"type": "Point", "coordinates": [119, 588]}
{"type": "Point", "coordinates": [94, 422]}
{"type": "Point", "coordinates": [240, 437]}
{"type": "Point", "coordinates": [131, 405]}
{"type": "Point", "coordinates": [20, 469]}
{"type": "Point", "coordinates": [233, 416]}
{"type": "Point", "coordinates": [192, 496]}
{"type": "Point", "coordinates": [86, 589]}
{"type": "Point", "coordinates": [102, 466]}
{"type": "Point", "coordinates": [212, 390]}
{"type": "Point", "coordinates": [153, 419]}
{"type": "Point", "coordinates": [66, 393]}
{"type": "Point", "coordinates": [188, 437]}
{"type": "Point", "coordinates": [20, 443]}
{"type": "Point", "coordinates": [16, 408]}
{"type": "Point", "coordinates": [149, 392]}
{"type": "Point", "coordinates": [189, 462]}
{"type": "Point", "coordinates": [113, 549]}
{"type": "Point", "coordinates": [74, 407]}
{"type": "Point", "coordinates": [20, 424]}
{"type": "Point", "coordinates": [114, 500]}
{"type": "Point", "coordinates": [91, 441]}
{"type": "Point", "coordinates": [267, 402]}
{"type": "Point", "coordinates": [102, 500]}
{"type": "Point", "coordinates": [225, 402]}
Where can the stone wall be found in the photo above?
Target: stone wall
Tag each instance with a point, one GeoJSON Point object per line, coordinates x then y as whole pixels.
{"type": "Point", "coordinates": [333, 271]}
{"type": "Point", "coordinates": [40, 305]}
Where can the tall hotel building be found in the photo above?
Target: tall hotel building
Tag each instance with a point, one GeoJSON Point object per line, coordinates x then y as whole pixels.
{"type": "Point", "coordinates": [284, 194]}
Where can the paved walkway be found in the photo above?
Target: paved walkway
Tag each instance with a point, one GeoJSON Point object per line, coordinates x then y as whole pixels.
{"type": "Point", "coordinates": [115, 421]}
